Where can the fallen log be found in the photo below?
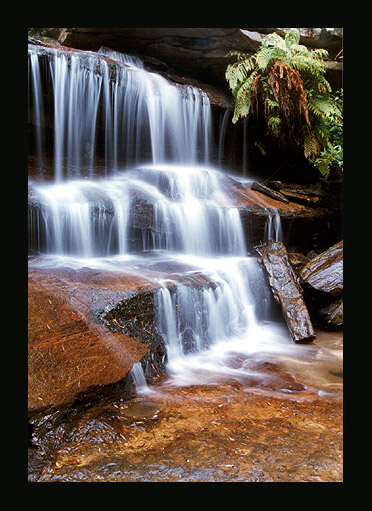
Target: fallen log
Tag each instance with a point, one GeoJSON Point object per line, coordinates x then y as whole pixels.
{"type": "Point", "coordinates": [311, 191]}
{"type": "Point", "coordinates": [268, 191]}
{"type": "Point", "coordinates": [287, 291]}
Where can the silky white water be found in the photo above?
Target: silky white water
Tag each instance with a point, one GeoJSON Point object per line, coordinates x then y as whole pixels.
{"type": "Point", "coordinates": [168, 204]}
{"type": "Point", "coordinates": [139, 379]}
{"type": "Point", "coordinates": [122, 110]}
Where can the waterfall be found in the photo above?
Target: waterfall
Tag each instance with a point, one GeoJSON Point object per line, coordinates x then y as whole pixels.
{"type": "Point", "coordinates": [84, 218]}
{"type": "Point", "coordinates": [139, 379]}
{"type": "Point", "coordinates": [221, 144]}
{"type": "Point", "coordinates": [38, 105]}
{"type": "Point", "coordinates": [204, 329]}
{"type": "Point", "coordinates": [118, 108]}
{"type": "Point", "coordinates": [91, 218]}
{"type": "Point", "coordinates": [273, 226]}
{"type": "Point", "coordinates": [159, 195]}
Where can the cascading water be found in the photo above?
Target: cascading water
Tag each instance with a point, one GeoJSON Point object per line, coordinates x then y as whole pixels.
{"type": "Point", "coordinates": [273, 227]}
{"type": "Point", "coordinates": [139, 379]}
{"type": "Point", "coordinates": [130, 114]}
{"type": "Point", "coordinates": [164, 132]}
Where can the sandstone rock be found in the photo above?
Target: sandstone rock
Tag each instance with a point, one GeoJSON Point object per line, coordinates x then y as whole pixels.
{"type": "Point", "coordinates": [70, 352]}
{"type": "Point", "coordinates": [199, 52]}
{"type": "Point", "coordinates": [310, 191]}
{"type": "Point", "coordinates": [88, 327]}
{"type": "Point", "coordinates": [304, 227]}
{"type": "Point", "coordinates": [325, 271]}
{"type": "Point", "coordinates": [297, 261]}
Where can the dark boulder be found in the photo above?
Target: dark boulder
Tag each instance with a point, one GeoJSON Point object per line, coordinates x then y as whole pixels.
{"type": "Point", "coordinates": [333, 313]}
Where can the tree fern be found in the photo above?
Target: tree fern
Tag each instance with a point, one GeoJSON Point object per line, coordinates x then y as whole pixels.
{"type": "Point", "coordinates": [285, 81]}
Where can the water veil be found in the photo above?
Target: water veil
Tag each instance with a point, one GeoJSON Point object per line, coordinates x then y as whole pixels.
{"type": "Point", "coordinates": [156, 141]}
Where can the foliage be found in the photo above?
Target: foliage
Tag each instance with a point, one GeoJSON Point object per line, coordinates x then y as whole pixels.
{"type": "Point", "coordinates": [330, 161]}
{"type": "Point", "coordinates": [285, 82]}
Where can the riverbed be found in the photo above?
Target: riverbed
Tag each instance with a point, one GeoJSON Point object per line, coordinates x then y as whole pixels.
{"type": "Point", "coordinates": [289, 430]}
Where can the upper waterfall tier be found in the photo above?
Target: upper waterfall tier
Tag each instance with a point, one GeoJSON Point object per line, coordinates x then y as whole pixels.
{"type": "Point", "coordinates": [107, 104]}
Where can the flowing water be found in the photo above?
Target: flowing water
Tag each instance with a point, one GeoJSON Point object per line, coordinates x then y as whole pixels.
{"type": "Point", "coordinates": [160, 211]}
{"type": "Point", "coordinates": [156, 140]}
{"type": "Point", "coordinates": [130, 114]}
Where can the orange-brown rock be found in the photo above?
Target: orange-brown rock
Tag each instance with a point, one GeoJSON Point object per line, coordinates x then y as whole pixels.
{"type": "Point", "coordinates": [69, 350]}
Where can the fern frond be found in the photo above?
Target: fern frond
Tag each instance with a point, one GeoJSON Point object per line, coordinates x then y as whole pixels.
{"type": "Point", "coordinates": [322, 106]}
{"type": "Point", "coordinates": [239, 54]}
{"type": "Point", "coordinates": [311, 147]}
{"type": "Point", "coordinates": [325, 85]}
{"type": "Point", "coordinates": [274, 125]}
{"type": "Point", "coordinates": [243, 97]}
{"type": "Point", "coordinates": [271, 103]}
{"type": "Point", "coordinates": [250, 63]}
{"type": "Point", "coordinates": [319, 53]}
{"type": "Point", "coordinates": [235, 74]}
{"type": "Point", "coordinates": [274, 40]}
{"type": "Point", "coordinates": [292, 37]}
{"type": "Point", "coordinates": [324, 168]}
{"type": "Point", "coordinates": [310, 68]}
{"type": "Point", "coordinates": [263, 59]}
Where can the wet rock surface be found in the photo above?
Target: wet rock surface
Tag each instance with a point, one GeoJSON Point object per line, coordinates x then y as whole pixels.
{"type": "Point", "coordinates": [325, 271]}
{"type": "Point", "coordinates": [333, 314]}
{"type": "Point", "coordinates": [322, 282]}
{"type": "Point", "coordinates": [69, 351]}
{"type": "Point", "coordinates": [308, 195]}
{"type": "Point", "coordinates": [305, 227]}
{"type": "Point", "coordinates": [226, 433]}
{"type": "Point", "coordinates": [256, 428]}
{"type": "Point", "coordinates": [87, 327]}
{"type": "Point", "coordinates": [268, 191]}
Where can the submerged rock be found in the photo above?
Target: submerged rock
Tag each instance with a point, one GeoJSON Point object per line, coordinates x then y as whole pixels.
{"type": "Point", "coordinates": [287, 291]}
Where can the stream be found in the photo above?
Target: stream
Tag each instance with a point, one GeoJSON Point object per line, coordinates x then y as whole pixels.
{"type": "Point", "coordinates": [233, 431]}
{"type": "Point", "coordinates": [239, 401]}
